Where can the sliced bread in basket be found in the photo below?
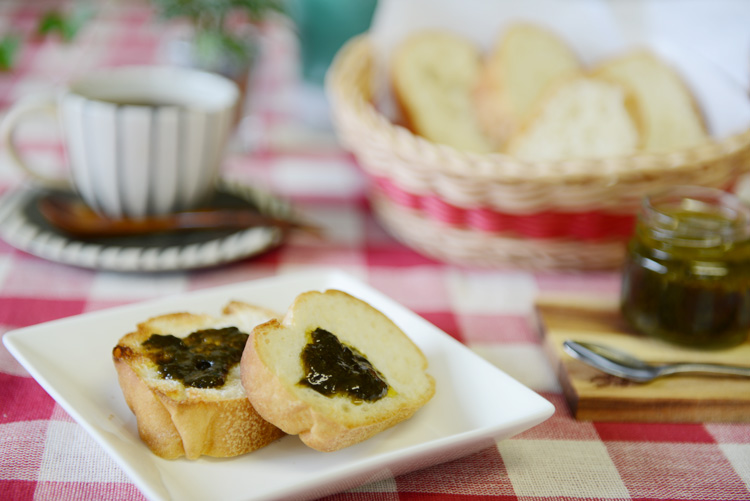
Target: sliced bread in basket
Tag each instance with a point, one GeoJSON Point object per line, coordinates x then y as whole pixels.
{"type": "Point", "coordinates": [669, 114]}
{"type": "Point", "coordinates": [335, 371]}
{"type": "Point", "coordinates": [579, 118]}
{"type": "Point", "coordinates": [433, 75]}
{"type": "Point", "coordinates": [524, 62]}
{"type": "Point", "coordinates": [188, 408]}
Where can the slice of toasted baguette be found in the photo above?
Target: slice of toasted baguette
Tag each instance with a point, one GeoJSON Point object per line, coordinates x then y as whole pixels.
{"type": "Point", "coordinates": [670, 116]}
{"type": "Point", "coordinates": [272, 369]}
{"type": "Point", "coordinates": [525, 61]}
{"type": "Point", "coordinates": [433, 75]}
{"type": "Point", "coordinates": [175, 420]}
{"type": "Point", "coordinates": [579, 118]}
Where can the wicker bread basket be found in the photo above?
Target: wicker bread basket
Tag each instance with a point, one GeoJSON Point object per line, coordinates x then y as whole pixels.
{"type": "Point", "coordinates": [496, 211]}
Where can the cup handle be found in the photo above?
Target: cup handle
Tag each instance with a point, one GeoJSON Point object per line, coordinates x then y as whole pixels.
{"type": "Point", "coordinates": [45, 103]}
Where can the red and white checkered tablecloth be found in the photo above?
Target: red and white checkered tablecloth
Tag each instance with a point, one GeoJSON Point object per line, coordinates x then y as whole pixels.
{"type": "Point", "coordinates": [285, 146]}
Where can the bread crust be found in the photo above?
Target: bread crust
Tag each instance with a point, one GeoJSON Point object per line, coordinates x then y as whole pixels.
{"type": "Point", "coordinates": [498, 110]}
{"type": "Point", "coordinates": [629, 117]}
{"type": "Point", "coordinates": [329, 423]}
{"type": "Point", "coordinates": [433, 73]}
{"type": "Point", "coordinates": [655, 118]}
{"type": "Point", "coordinates": [174, 420]}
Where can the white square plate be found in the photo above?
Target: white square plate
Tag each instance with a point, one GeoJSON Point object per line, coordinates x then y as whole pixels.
{"type": "Point", "coordinates": [474, 404]}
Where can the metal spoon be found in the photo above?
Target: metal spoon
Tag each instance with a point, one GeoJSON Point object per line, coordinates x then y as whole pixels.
{"type": "Point", "coordinates": [624, 365]}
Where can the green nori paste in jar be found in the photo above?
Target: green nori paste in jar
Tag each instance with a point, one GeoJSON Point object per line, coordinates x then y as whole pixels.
{"type": "Point", "coordinates": [202, 359]}
{"type": "Point", "coordinates": [333, 368]}
{"type": "Point", "coordinates": [686, 279]}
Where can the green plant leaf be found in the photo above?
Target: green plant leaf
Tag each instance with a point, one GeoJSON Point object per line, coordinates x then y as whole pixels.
{"type": "Point", "coordinates": [66, 25]}
{"type": "Point", "coordinates": [50, 22]}
{"type": "Point", "coordinates": [257, 10]}
{"type": "Point", "coordinates": [76, 20]}
{"type": "Point", "coordinates": [9, 48]}
{"type": "Point", "coordinates": [217, 47]}
{"type": "Point", "coordinates": [215, 43]}
{"type": "Point", "coordinates": [205, 13]}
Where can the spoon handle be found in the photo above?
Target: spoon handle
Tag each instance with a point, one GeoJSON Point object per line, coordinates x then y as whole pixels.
{"type": "Point", "coordinates": [75, 218]}
{"type": "Point", "coordinates": [705, 369]}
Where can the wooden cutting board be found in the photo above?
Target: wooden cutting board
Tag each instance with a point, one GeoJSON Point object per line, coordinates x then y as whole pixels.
{"type": "Point", "coordinates": [593, 395]}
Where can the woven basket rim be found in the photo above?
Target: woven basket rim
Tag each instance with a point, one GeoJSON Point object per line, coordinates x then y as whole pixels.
{"type": "Point", "coordinates": [354, 60]}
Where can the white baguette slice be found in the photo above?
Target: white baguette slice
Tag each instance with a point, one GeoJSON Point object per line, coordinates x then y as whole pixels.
{"type": "Point", "coordinates": [580, 118]}
{"type": "Point", "coordinates": [175, 420]}
{"type": "Point", "coordinates": [670, 116]}
{"type": "Point", "coordinates": [525, 61]}
{"type": "Point", "coordinates": [433, 75]}
{"type": "Point", "coordinates": [272, 370]}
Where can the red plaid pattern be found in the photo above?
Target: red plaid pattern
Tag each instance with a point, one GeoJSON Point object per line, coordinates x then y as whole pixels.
{"type": "Point", "coordinates": [44, 454]}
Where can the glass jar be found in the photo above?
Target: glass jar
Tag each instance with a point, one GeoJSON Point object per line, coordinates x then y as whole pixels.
{"type": "Point", "coordinates": [686, 278]}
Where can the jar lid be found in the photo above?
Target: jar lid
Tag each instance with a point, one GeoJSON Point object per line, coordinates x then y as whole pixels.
{"type": "Point", "coordinates": [694, 216]}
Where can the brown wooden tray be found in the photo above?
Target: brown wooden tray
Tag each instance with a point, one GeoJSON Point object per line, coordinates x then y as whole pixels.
{"type": "Point", "coordinates": [593, 395]}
